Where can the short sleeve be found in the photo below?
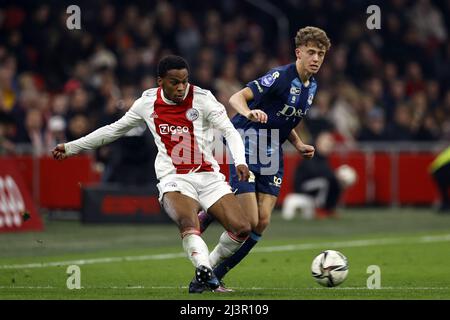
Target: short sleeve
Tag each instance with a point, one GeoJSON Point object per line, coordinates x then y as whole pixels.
{"type": "Point", "coordinates": [265, 85]}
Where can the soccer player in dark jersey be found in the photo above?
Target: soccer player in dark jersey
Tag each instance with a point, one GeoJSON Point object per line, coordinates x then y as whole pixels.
{"type": "Point", "coordinates": [269, 109]}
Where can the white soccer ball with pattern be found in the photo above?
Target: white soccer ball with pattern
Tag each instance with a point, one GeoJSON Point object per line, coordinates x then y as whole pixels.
{"type": "Point", "coordinates": [330, 268]}
{"type": "Point", "coordinates": [346, 175]}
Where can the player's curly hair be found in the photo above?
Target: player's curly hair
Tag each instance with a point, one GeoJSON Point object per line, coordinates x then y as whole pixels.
{"type": "Point", "coordinates": [171, 62]}
{"type": "Point", "coordinates": [314, 35]}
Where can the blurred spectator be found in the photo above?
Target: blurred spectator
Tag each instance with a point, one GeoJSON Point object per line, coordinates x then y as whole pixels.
{"type": "Point", "coordinates": [428, 130]}
{"type": "Point", "coordinates": [317, 186]}
{"type": "Point", "coordinates": [227, 84]}
{"type": "Point", "coordinates": [374, 128]}
{"type": "Point", "coordinates": [204, 76]}
{"type": "Point", "coordinates": [6, 126]}
{"type": "Point", "coordinates": [400, 128]}
{"type": "Point", "coordinates": [318, 118]}
{"type": "Point", "coordinates": [414, 79]}
{"type": "Point", "coordinates": [402, 69]}
{"type": "Point", "coordinates": [60, 105]}
{"type": "Point", "coordinates": [188, 37]}
{"type": "Point", "coordinates": [345, 111]}
{"type": "Point", "coordinates": [78, 127]}
{"type": "Point", "coordinates": [129, 160]}
{"type": "Point", "coordinates": [34, 131]}
{"type": "Point", "coordinates": [56, 132]}
{"type": "Point", "coordinates": [394, 96]}
{"type": "Point", "coordinates": [429, 23]}
{"type": "Point", "coordinates": [418, 104]}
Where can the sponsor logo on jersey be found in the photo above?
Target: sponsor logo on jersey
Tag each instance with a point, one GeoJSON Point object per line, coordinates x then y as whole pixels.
{"type": "Point", "coordinates": [217, 114]}
{"type": "Point", "coordinates": [171, 185]}
{"type": "Point", "coordinates": [153, 115]}
{"type": "Point", "coordinates": [296, 91]}
{"type": "Point", "coordinates": [276, 182]}
{"type": "Point", "coordinates": [293, 99]}
{"type": "Point", "coordinates": [289, 111]}
{"type": "Point", "coordinates": [258, 86]}
{"type": "Point", "coordinates": [192, 114]}
{"type": "Point", "coordinates": [169, 129]}
{"type": "Point", "coordinates": [310, 98]}
{"type": "Point", "coordinates": [251, 178]}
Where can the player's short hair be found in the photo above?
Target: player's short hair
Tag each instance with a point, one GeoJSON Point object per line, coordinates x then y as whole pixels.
{"type": "Point", "coordinates": [169, 63]}
{"type": "Point", "coordinates": [314, 35]}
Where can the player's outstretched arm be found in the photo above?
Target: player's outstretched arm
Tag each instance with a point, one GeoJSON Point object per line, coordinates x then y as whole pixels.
{"type": "Point", "coordinates": [239, 102]}
{"type": "Point", "coordinates": [99, 137]}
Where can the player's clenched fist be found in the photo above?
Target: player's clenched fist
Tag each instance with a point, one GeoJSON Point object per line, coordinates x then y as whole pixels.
{"type": "Point", "coordinates": [257, 116]}
{"type": "Point", "coordinates": [243, 172]}
{"type": "Point", "coordinates": [307, 151]}
{"type": "Point", "coordinates": [59, 153]}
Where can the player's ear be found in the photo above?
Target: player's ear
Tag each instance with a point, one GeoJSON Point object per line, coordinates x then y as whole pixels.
{"type": "Point", "coordinates": [298, 53]}
{"type": "Point", "coordinates": [159, 80]}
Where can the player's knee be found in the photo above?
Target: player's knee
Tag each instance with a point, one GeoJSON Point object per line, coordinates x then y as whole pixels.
{"type": "Point", "coordinates": [254, 223]}
{"type": "Point", "coordinates": [242, 230]}
{"type": "Point", "coordinates": [187, 224]}
{"type": "Point", "coordinates": [263, 223]}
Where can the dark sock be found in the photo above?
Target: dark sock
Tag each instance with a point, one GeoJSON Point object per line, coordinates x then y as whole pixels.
{"type": "Point", "coordinates": [237, 257]}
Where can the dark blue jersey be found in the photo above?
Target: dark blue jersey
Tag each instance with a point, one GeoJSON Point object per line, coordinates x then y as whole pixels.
{"type": "Point", "coordinates": [281, 94]}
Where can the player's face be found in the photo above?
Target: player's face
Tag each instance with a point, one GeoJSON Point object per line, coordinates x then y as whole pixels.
{"type": "Point", "coordinates": [311, 57]}
{"type": "Point", "coordinates": [174, 84]}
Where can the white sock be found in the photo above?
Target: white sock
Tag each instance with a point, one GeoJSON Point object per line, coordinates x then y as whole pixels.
{"type": "Point", "coordinates": [224, 249]}
{"type": "Point", "coordinates": [197, 250]}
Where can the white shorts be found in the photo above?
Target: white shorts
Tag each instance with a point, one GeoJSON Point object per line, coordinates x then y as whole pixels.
{"type": "Point", "coordinates": [204, 187]}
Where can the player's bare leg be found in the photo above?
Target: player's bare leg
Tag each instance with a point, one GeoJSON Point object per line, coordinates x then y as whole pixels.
{"type": "Point", "coordinates": [258, 209]}
{"type": "Point", "coordinates": [229, 213]}
{"type": "Point", "coordinates": [237, 228]}
{"type": "Point", "coordinates": [183, 211]}
{"type": "Point", "coordinates": [249, 204]}
{"type": "Point", "coordinates": [266, 204]}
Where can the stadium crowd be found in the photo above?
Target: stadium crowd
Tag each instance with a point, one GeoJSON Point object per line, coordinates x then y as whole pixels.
{"type": "Point", "coordinates": [58, 84]}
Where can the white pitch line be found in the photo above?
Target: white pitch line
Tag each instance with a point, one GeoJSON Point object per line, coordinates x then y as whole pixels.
{"type": "Point", "coordinates": [94, 261]}
{"type": "Point", "coordinates": [291, 247]}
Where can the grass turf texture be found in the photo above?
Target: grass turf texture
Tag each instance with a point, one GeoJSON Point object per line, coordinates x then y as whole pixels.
{"type": "Point", "coordinates": [411, 246]}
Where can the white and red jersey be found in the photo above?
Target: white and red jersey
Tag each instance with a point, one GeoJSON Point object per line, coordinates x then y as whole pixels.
{"type": "Point", "coordinates": [183, 132]}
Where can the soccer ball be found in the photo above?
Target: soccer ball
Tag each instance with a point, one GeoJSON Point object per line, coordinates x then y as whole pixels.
{"type": "Point", "coordinates": [346, 175]}
{"type": "Point", "coordinates": [330, 268]}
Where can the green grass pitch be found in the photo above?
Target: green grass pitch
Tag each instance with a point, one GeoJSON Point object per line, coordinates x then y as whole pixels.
{"type": "Point", "coordinates": [411, 246]}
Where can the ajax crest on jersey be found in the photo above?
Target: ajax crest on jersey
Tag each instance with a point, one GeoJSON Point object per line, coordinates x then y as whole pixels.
{"type": "Point", "coordinates": [192, 114]}
{"type": "Point", "coordinates": [330, 268]}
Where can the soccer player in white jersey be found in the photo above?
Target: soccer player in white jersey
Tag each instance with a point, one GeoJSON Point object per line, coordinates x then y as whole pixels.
{"type": "Point", "coordinates": [181, 117]}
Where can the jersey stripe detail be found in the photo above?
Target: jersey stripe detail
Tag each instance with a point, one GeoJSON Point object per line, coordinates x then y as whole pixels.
{"type": "Point", "coordinates": [177, 135]}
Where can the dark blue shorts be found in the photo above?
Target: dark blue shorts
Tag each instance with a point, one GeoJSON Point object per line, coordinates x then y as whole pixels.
{"type": "Point", "coordinates": [270, 184]}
